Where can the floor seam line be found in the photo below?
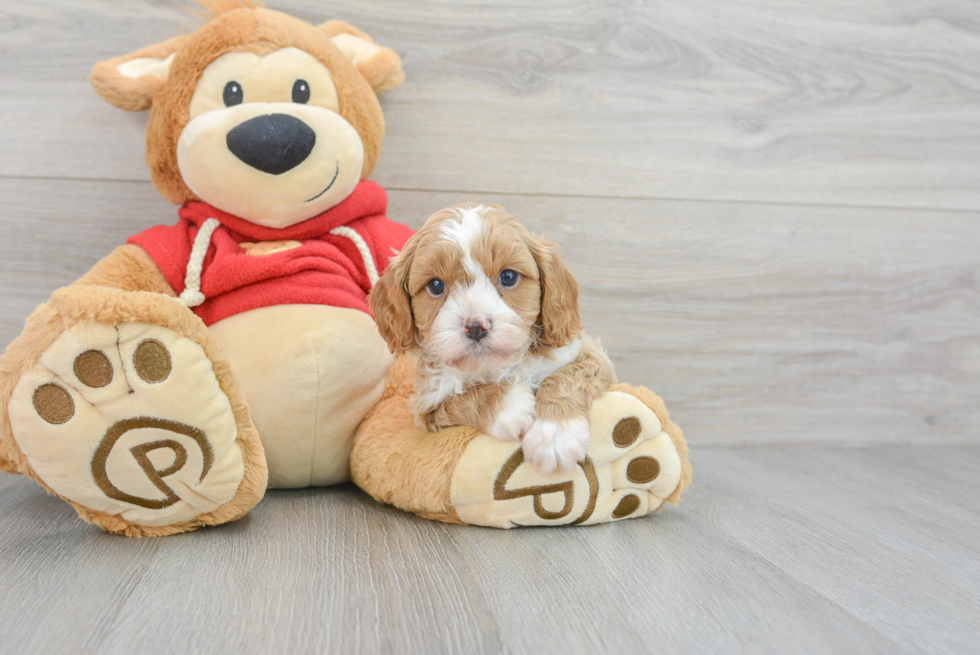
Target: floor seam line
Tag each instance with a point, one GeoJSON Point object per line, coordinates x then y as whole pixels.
{"type": "Point", "coordinates": [721, 201]}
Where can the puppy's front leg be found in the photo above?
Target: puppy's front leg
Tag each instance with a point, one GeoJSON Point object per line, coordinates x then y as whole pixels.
{"type": "Point", "coordinates": [514, 415]}
{"type": "Point", "coordinates": [504, 411]}
{"type": "Point", "coordinates": [560, 436]}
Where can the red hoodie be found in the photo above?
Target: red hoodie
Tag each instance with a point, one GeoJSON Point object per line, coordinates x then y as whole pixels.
{"type": "Point", "coordinates": [242, 271]}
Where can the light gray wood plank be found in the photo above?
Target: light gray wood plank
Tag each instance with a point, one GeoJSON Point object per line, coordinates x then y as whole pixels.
{"type": "Point", "coordinates": [331, 571]}
{"type": "Point", "coordinates": [63, 579]}
{"type": "Point", "coordinates": [809, 549]}
{"type": "Point", "coordinates": [876, 103]}
{"type": "Point", "coordinates": [756, 323]}
{"type": "Point", "coordinates": [668, 584]}
{"type": "Point", "coordinates": [317, 571]}
{"type": "Point", "coordinates": [886, 533]}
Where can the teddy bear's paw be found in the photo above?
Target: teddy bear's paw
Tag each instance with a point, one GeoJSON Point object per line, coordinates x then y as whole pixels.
{"type": "Point", "coordinates": [632, 466]}
{"type": "Point", "coordinates": [129, 421]}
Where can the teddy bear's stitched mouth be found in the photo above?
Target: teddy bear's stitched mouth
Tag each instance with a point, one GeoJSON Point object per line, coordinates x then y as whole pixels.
{"type": "Point", "coordinates": [335, 174]}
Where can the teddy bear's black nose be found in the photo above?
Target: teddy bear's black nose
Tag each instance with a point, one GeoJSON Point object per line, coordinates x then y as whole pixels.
{"type": "Point", "coordinates": [274, 143]}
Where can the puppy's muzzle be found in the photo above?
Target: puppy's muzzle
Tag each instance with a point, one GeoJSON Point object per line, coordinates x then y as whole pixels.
{"type": "Point", "coordinates": [476, 329]}
{"type": "Point", "coordinates": [274, 143]}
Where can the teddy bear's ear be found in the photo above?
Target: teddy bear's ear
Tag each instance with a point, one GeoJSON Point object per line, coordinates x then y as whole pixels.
{"type": "Point", "coordinates": [130, 82]}
{"type": "Point", "coordinates": [380, 66]}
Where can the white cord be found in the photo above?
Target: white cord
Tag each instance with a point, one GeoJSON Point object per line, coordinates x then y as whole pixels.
{"type": "Point", "coordinates": [191, 295]}
{"type": "Point", "coordinates": [363, 248]}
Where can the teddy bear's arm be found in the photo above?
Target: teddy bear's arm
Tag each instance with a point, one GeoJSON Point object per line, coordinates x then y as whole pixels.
{"type": "Point", "coordinates": [128, 268]}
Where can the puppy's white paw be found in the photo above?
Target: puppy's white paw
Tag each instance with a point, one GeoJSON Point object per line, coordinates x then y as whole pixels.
{"type": "Point", "coordinates": [549, 444]}
{"type": "Point", "coordinates": [516, 414]}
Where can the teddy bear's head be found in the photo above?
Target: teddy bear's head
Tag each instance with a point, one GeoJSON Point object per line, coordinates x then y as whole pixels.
{"type": "Point", "coordinates": [258, 113]}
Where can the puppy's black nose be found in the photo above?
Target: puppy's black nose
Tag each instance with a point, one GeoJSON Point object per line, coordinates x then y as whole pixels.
{"type": "Point", "coordinates": [476, 330]}
{"type": "Point", "coordinates": [274, 143]}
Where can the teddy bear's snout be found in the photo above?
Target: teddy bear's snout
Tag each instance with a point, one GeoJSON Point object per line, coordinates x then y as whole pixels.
{"type": "Point", "coordinates": [273, 143]}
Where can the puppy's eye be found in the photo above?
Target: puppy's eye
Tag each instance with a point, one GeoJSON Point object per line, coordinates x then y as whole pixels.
{"type": "Point", "coordinates": [436, 287]}
{"type": "Point", "coordinates": [301, 92]}
{"type": "Point", "coordinates": [509, 278]}
{"type": "Point", "coordinates": [233, 94]}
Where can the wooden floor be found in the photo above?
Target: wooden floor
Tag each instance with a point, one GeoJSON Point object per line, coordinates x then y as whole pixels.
{"type": "Point", "coordinates": [774, 212]}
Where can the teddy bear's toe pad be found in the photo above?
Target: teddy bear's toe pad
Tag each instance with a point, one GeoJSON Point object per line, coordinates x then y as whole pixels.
{"type": "Point", "coordinates": [631, 468]}
{"type": "Point", "coordinates": [129, 420]}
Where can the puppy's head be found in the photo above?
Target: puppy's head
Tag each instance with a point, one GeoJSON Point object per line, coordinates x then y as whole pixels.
{"type": "Point", "coordinates": [475, 289]}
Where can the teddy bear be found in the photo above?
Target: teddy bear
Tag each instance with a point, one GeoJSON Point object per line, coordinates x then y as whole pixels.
{"type": "Point", "coordinates": [203, 362]}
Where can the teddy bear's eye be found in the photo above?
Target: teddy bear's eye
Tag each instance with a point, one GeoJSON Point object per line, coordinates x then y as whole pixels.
{"type": "Point", "coordinates": [301, 92]}
{"type": "Point", "coordinates": [233, 94]}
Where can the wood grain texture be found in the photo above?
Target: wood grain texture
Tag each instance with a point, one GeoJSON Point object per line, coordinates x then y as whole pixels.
{"type": "Point", "coordinates": [756, 323]}
{"type": "Point", "coordinates": [810, 549]}
{"type": "Point", "coordinates": [876, 103]}
{"type": "Point", "coordinates": [875, 531]}
{"type": "Point", "coordinates": [772, 209]}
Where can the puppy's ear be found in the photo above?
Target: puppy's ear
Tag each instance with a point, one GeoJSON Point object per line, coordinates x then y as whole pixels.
{"type": "Point", "coordinates": [129, 82]}
{"type": "Point", "coordinates": [559, 318]}
{"type": "Point", "coordinates": [391, 304]}
{"type": "Point", "coordinates": [380, 66]}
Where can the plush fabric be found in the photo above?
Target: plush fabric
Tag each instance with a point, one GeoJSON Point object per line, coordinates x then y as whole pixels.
{"type": "Point", "coordinates": [80, 305]}
{"type": "Point", "coordinates": [133, 93]}
{"type": "Point", "coordinates": [128, 268]}
{"type": "Point", "coordinates": [380, 66]}
{"type": "Point", "coordinates": [637, 460]}
{"type": "Point", "coordinates": [106, 423]}
{"type": "Point", "coordinates": [306, 412]}
{"type": "Point", "coordinates": [259, 31]}
{"type": "Point", "coordinates": [200, 362]}
{"type": "Point", "coordinates": [401, 465]}
{"type": "Point", "coordinates": [324, 268]}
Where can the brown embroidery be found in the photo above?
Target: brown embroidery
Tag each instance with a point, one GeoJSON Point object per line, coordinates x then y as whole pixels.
{"type": "Point", "coordinates": [593, 480]}
{"type": "Point", "coordinates": [642, 470]}
{"type": "Point", "coordinates": [626, 431]}
{"type": "Point", "coordinates": [152, 361]}
{"type": "Point", "coordinates": [93, 369]}
{"type": "Point", "coordinates": [113, 434]}
{"type": "Point", "coordinates": [626, 506]}
{"type": "Point", "coordinates": [141, 451]}
{"type": "Point", "coordinates": [500, 491]}
{"type": "Point", "coordinates": [53, 404]}
{"type": "Point", "coordinates": [266, 248]}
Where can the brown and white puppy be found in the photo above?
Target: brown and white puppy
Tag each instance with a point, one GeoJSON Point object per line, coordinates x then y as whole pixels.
{"type": "Point", "coordinates": [492, 313]}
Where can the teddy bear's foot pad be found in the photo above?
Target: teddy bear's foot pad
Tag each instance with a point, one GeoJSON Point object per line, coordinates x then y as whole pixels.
{"type": "Point", "coordinates": [129, 420]}
{"type": "Point", "coordinates": [632, 467]}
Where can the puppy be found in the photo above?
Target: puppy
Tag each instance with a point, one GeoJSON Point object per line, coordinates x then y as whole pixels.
{"type": "Point", "coordinates": [492, 313]}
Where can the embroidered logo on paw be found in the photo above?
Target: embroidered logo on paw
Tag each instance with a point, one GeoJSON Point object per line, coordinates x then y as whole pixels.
{"type": "Point", "coordinates": [140, 453]}
{"type": "Point", "coordinates": [266, 248]}
{"type": "Point", "coordinates": [129, 420]}
{"type": "Point", "coordinates": [631, 467]}
{"type": "Point", "coordinates": [566, 488]}
{"type": "Point", "coordinates": [641, 470]}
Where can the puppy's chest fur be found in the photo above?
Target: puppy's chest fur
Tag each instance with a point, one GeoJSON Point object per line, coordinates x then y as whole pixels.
{"type": "Point", "coordinates": [435, 383]}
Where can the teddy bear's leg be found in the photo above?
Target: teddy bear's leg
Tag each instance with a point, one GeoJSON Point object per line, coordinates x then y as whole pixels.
{"type": "Point", "coordinates": [637, 460]}
{"type": "Point", "coordinates": [116, 401]}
